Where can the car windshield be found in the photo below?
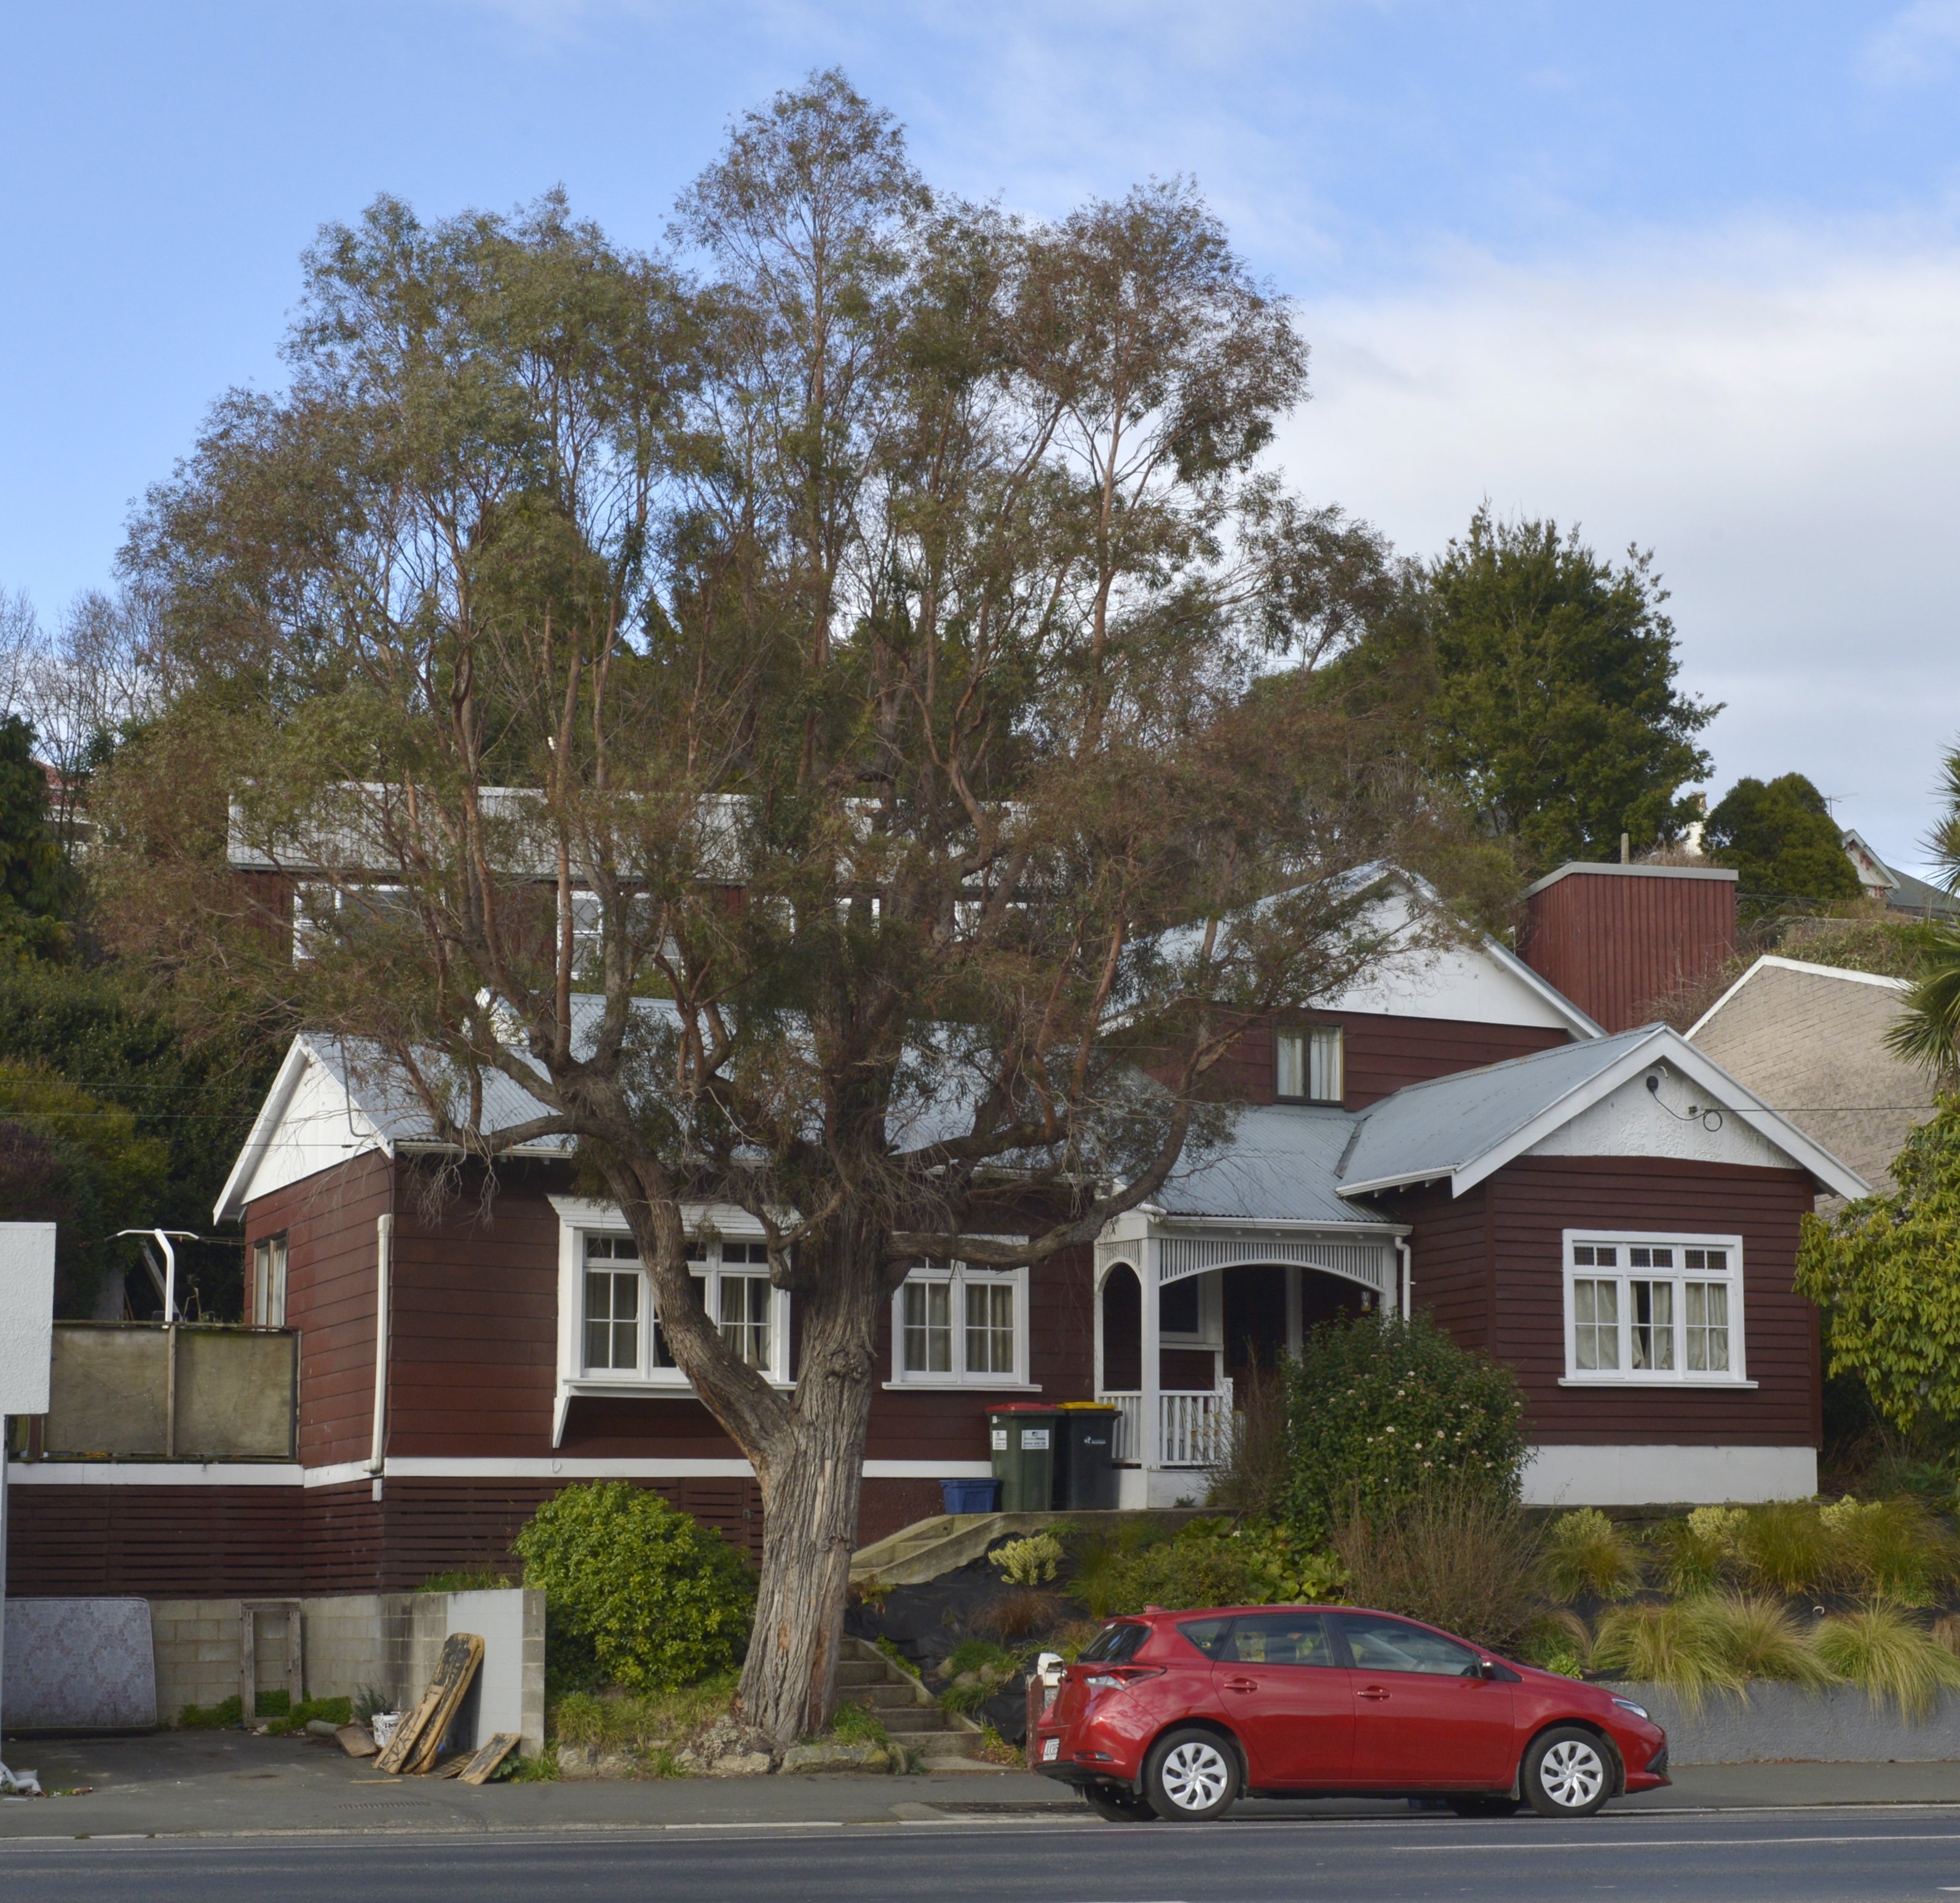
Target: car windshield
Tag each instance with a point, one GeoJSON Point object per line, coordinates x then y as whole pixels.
{"type": "Point", "coordinates": [1114, 1643]}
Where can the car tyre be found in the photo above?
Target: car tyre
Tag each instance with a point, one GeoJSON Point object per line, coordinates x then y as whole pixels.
{"type": "Point", "coordinates": [1190, 1777]}
{"type": "Point", "coordinates": [1568, 1772]}
{"type": "Point", "coordinates": [1485, 1803]}
{"type": "Point", "coordinates": [1118, 1805]}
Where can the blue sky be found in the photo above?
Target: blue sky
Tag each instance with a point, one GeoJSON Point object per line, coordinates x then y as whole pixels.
{"type": "Point", "coordinates": [1688, 274]}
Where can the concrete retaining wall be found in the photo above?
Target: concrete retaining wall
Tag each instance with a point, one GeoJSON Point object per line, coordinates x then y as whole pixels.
{"type": "Point", "coordinates": [1777, 1723]}
{"type": "Point", "coordinates": [388, 1642]}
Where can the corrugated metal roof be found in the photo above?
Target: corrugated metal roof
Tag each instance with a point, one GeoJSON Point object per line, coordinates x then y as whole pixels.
{"type": "Point", "coordinates": [1279, 1166]}
{"type": "Point", "coordinates": [1433, 1129]}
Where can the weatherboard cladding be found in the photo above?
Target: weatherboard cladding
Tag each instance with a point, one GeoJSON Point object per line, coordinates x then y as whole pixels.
{"type": "Point", "coordinates": [1615, 939]}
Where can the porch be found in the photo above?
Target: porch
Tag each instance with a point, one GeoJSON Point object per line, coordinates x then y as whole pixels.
{"type": "Point", "coordinates": [1189, 1309]}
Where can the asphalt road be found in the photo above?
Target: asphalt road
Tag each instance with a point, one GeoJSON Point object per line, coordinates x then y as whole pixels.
{"type": "Point", "coordinates": [1836, 1855]}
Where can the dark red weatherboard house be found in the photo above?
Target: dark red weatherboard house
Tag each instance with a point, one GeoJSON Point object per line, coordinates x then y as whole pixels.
{"type": "Point", "coordinates": [1613, 1217]}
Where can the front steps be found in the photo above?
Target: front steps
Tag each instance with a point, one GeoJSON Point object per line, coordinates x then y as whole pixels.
{"type": "Point", "coordinates": [933, 1740]}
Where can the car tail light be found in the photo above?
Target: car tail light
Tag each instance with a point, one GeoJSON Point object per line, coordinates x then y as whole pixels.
{"type": "Point", "coordinates": [1113, 1678]}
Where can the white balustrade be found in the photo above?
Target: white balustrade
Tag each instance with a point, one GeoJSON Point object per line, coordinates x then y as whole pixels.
{"type": "Point", "coordinates": [1194, 1427]}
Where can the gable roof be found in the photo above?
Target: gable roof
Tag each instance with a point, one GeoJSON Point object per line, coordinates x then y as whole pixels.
{"type": "Point", "coordinates": [1900, 890]}
{"type": "Point", "coordinates": [1464, 1127]}
{"type": "Point", "coordinates": [1769, 964]}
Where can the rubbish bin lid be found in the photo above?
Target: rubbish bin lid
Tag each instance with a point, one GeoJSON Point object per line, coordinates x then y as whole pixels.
{"type": "Point", "coordinates": [1088, 1407]}
{"type": "Point", "coordinates": [1025, 1407]}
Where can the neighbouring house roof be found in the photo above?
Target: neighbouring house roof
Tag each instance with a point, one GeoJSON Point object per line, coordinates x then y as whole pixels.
{"type": "Point", "coordinates": [1614, 869]}
{"type": "Point", "coordinates": [1461, 1128]}
{"type": "Point", "coordinates": [1901, 891]}
{"type": "Point", "coordinates": [1810, 1040]}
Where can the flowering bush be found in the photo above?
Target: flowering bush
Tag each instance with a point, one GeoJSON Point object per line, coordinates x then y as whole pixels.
{"type": "Point", "coordinates": [1381, 1412]}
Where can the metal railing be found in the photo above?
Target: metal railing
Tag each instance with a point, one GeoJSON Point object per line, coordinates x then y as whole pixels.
{"type": "Point", "coordinates": [1194, 1427]}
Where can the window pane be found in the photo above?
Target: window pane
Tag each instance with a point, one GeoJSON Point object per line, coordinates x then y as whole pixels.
{"type": "Point", "coordinates": [1652, 1334]}
{"type": "Point", "coordinates": [1708, 1306]}
{"type": "Point", "coordinates": [1324, 1081]}
{"type": "Point", "coordinates": [1595, 1324]}
{"type": "Point", "coordinates": [612, 1320]}
{"type": "Point", "coordinates": [928, 1314]}
{"type": "Point", "coordinates": [990, 1328]}
{"type": "Point", "coordinates": [1606, 1258]}
{"type": "Point", "coordinates": [1582, 1254]}
{"type": "Point", "coordinates": [745, 1317]}
{"type": "Point", "coordinates": [1178, 1310]}
{"type": "Point", "coordinates": [1290, 1063]}
{"type": "Point", "coordinates": [1279, 1638]}
{"type": "Point", "coordinates": [1380, 1644]}
{"type": "Point", "coordinates": [1639, 1258]}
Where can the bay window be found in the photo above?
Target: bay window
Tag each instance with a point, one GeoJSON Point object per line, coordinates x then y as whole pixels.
{"type": "Point", "coordinates": [1652, 1308]}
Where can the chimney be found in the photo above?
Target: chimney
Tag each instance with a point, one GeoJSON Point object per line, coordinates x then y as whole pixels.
{"type": "Point", "coordinates": [1615, 938]}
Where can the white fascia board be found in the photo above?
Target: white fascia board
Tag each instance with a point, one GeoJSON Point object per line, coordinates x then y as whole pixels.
{"type": "Point", "coordinates": [230, 1205]}
{"type": "Point", "coordinates": [1612, 869]}
{"type": "Point", "coordinates": [1662, 1045]}
{"type": "Point", "coordinates": [1768, 963]}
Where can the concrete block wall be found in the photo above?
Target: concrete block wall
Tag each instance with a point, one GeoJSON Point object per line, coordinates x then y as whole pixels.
{"type": "Point", "coordinates": [390, 1642]}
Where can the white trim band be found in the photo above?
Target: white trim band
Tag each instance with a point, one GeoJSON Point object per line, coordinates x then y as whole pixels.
{"type": "Point", "coordinates": [1568, 1476]}
{"type": "Point", "coordinates": [276, 1473]}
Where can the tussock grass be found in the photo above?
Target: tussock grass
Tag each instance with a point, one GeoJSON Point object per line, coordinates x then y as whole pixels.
{"type": "Point", "coordinates": [1762, 1640]}
{"type": "Point", "coordinates": [1682, 1644]}
{"type": "Point", "coordinates": [1785, 1547]}
{"type": "Point", "coordinates": [1697, 1552]}
{"type": "Point", "coordinates": [1890, 1656]}
{"type": "Point", "coordinates": [1585, 1553]}
{"type": "Point", "coordinates": [1559, 1640]}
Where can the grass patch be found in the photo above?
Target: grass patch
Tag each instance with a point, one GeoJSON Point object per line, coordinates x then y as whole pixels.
{"type": "Point", "coordinates": [1585, 1553]}
{"type": "Point", "coordinates": [335, 1711]}
{"type": "Point", "coordinates": [858, 1724]}
{"type": "Point", "coordinates": [889, 1646]}
{"type": "Point", "coordinates": [541, 1770]}
{"type": "Point", "coordinates": [977, 1671]}
{"type": "Point", "coordinates": [212, 1717]}
{"type": "Point", "coordinates": [614, 1721]}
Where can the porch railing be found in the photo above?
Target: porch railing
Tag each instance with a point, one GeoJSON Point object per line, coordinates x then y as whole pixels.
{"type": "Point", "coordinates": [1194, 1428]}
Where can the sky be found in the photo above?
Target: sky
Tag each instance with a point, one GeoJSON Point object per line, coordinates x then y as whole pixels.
{"type": "Point", "coordinates": [1685, 275]}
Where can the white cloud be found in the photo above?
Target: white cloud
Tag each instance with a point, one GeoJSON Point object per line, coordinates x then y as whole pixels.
{"type": "Point", "coordinates": [1777, 415]}
{"type": "Point", "coordinates": [1917, 42]}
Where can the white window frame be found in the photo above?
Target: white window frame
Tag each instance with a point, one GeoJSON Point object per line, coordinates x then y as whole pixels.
{"type": "Point", "coordinates": [1735, 1375]}
{"type": "Point", "coordinates": [270, 1258]}
{"type": "Point", "coordinates": [1302, 1062]}
{"type": "Point", "coordinates": [957, 1276]}
{"type": "Point", "coordinates": [311, 892]}
{"type": "Point", "coordinates": [707, 1225]}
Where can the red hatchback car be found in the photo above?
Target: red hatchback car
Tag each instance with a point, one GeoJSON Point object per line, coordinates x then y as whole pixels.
{"type": "Point", "coordinates": [1176, 1714]}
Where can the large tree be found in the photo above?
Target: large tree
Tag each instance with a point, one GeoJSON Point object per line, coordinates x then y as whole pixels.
{"type": "Point", "coordinates": [864, 604]}
{"type": "Point", "coordinates": [1547, 684]}
{"type": "Point", "coordinates": [1787, 851]}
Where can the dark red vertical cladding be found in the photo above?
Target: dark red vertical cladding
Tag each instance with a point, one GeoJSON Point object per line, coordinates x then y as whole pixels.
{"type": "Point", "coordinates": [1509, 1231]}
{"type": "Point", "coordinates": [1615, 938]}
{"type": "Point", "coordinates": [1385, 1053]}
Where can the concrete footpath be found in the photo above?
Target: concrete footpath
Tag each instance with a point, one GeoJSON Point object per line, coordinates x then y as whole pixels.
{"type": "Point", "coordinates": [230, 1784]}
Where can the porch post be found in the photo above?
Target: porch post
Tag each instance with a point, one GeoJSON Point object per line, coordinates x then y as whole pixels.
{"type": "Point", "coordinates": [1150, 1404]}
{"type": "Point", "coordinates": [1293, 1312]}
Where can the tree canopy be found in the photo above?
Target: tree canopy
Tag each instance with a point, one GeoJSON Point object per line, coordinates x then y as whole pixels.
{"type": "Point", "coordinates": [1886, 1272]}
{"type": "Point", "coordinates": [1544, 680]}
{"type": "Point", "coordinates": [793, 695]}
{"type": "Point", "coordinates": [1787, 851]}
{"type": "Point", "coordinates": [35, 895]}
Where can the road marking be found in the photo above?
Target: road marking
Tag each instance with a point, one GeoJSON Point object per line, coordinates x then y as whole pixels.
{"type": "Point", "coordinates": [1674, 1843]}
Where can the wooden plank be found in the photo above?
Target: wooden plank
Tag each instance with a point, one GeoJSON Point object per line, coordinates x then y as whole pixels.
{"type": "Point", "coordinates": [461, 1653]}
{"type": "Point", "coordinates": [488, 1756]}
{"type": "Point", "coordinates": [457, 1686]}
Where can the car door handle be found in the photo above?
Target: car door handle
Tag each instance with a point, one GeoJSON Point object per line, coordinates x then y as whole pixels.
{"type": "Point", "coordinates": [1374, 1693]}
{"type": "Point", "coordinates": [1242, 1684]}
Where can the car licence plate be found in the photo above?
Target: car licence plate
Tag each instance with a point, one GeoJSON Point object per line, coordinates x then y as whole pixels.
{"type": "Point", "coordinates": [1051, 1750]}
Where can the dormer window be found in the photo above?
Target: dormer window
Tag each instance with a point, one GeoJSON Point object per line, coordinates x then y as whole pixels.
{"type": "Point", "coordinates": [1309, 1067]}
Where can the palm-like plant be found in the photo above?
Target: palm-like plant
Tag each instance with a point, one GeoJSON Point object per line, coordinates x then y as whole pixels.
{"type": "Point", "coordinates": [1929, 1031]}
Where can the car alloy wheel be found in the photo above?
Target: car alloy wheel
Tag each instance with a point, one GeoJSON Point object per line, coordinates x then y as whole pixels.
{"type": "Point", "coordinates": [1192, 1776]}
{"type": "Point", "coordinates": [1567, 1775]}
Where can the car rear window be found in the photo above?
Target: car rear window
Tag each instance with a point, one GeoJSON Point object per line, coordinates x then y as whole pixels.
{"type": "Point", "coordinates": [1115, 1643]}
{"type": "Point", "coordinates": [1207, 1634]}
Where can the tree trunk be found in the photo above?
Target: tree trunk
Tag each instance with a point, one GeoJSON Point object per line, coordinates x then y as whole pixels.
{"type": "Point", "coordinates": [810, 1479]}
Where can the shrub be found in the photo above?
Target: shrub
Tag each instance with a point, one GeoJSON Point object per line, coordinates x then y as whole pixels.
{"type": "Point", "coordinates": [661, 1600]}
{"type": "Point", "coordinates": [1210, 1563]}
{"type": "Point", "coordinates": [1559, 1642]}
{"type": "Point", "coordinates": [1019, 1613]}
{"type": "Point", "coordinates": [1252, 1479]}
{"type": "Point", "coordinates": [626, 1723]}
{"type": "Point", "coordinates": [1462, 1559]}
{"type": "Point", "coordinates": [1882, 1651]}
{"type": "Point", "coordinates": [1028, 1562]}
{"type": "Point", "coordinates": [1893, 1547]}
{"type": "Point", "coordinates": [1380, 1410]}
{"type": "Point", "coordinates": [1681, 1645]}
{"type": "Point", "coordinates": [1585, 1553]}
{"type": "Point", "coordinates": [1761, 1641]}
{"type": "Point", "coordinates": [1697, 1552]}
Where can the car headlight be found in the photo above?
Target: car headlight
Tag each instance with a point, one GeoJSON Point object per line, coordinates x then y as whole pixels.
{"type": "Point", "coordinates": [1627, 1704]}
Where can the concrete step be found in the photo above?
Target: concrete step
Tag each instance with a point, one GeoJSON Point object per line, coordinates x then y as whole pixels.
{"type": "Point", "coordinates": [863, 1672]}
{"type": "Point", "coordinates": [881, 1698]}
{"type": "Point", "coordinates": [947, 1750]}
{"type": "Point", "coordinates": [907, 1718]}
